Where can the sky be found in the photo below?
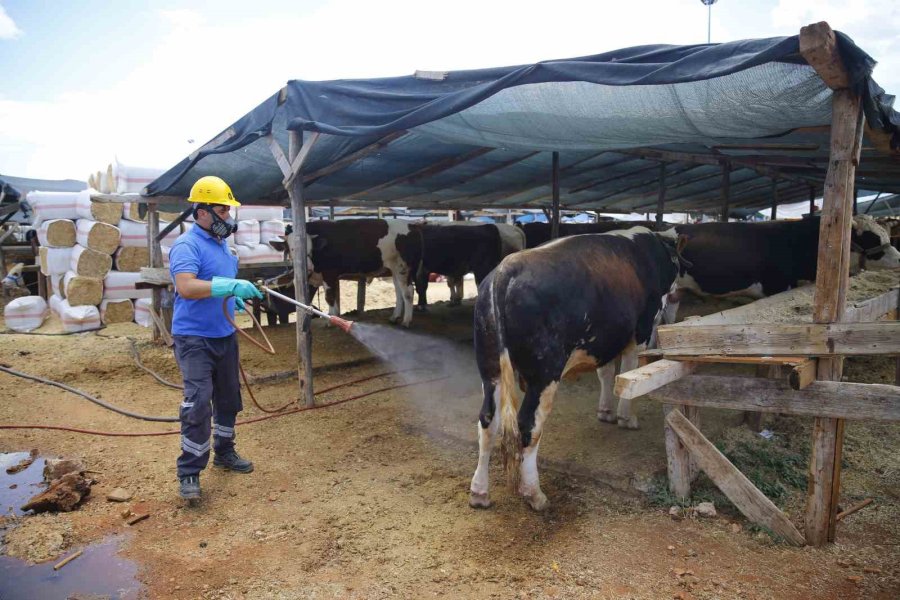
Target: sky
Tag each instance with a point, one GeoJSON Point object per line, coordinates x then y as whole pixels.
{"type": "Point", "coordinates": [87, 82]}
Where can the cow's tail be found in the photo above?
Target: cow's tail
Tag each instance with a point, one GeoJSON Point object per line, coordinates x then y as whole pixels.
{"type": "Point", "coordinates": [510, 436]}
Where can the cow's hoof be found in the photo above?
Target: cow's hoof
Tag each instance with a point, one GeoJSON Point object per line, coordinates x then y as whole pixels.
{"type": "Point", "coordinates": [479, 500]}
{"type": "Point", "coordinates": [631, 423]}
{"type": "Point", "coordinates": [394, 320]}
{"type": "Point", "coordinates": [537, 501]}
{"type": "Point", "coordinates": [606, 416]}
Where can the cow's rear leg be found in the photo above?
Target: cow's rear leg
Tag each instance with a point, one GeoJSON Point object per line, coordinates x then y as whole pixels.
{"type": "Point", "coordinates": [529, 480]}
{"type": "Point", "coordinates": [625, 415]}
{"type": "Point", "coordinates": [607, 376]}
{"type": "Point", "coordinates": [488, 424]}
{"type": "Point", "coordinates": [455, 285]}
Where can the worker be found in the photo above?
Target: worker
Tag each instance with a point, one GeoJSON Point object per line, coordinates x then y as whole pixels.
{"type": "Point", "coordinates": [206, 346]}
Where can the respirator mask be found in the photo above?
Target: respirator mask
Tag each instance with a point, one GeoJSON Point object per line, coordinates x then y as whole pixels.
{"type": "Point", "coordinates": [221, 228]}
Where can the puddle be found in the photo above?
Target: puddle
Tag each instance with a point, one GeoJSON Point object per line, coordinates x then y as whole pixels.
{"type": "Point", "coordinates": [18, 488]}
{"type": "Point", "coordinates": [98, 572]}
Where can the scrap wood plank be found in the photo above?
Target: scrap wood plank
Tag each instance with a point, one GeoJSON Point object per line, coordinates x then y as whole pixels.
{"type": "Point", "coordinates": [803, 374]}
{"type": "Point", "coordinates": [644, 380]}
{"type": "Point", "coordinates": [790, 361]}
{"type": "Point", "coordinates": [742, 493]}
{"type": "Point", "coordinates": [825, 339]}
{"type": "Point", "coordinates": [872, 309]}
{"type": "Point", "coordinates": [832, 399]}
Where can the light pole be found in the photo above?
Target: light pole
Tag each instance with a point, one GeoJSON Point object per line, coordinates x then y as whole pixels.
{"type": "Point", "coordinates": [708, 4]}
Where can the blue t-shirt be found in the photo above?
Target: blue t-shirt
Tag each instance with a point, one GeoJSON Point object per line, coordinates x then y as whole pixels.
{"type": "Point", "coordinates": [205, 256]}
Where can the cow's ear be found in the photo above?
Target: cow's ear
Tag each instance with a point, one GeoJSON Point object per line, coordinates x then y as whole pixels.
{"type": "Point", "coordinates": [681, 242]}
{"type": "Point", "coordinates": [278, 244]}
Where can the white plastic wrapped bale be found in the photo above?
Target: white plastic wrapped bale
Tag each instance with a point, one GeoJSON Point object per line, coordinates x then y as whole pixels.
{"type": "Point", "coordinates": [129, 178]}
{"type": "Point", "coordinates": [82, 291]}
{"type": "Point", "coordinates": [247, 233]}
{"type": "Point", "coordinates": [78, 318]}
{"type": "Point", "coordinates": [56, 285]}
{"type": "Point", "coordinates": [131, 258]}
{"type": "Point", "coordinates": [104, 212]}
{"type": "Point", "coordinates": [258, 213]}
{"type": "Point", "coordinates": [54, 261]}
{"type": "Point", "coordinates": [270, 230]}
{"type": "Point", "coordinates": [98, 236]}
{"type": "Point", "coordinates": [135, 234]}
{"type": "Point", "coordinates": [119, 285]}
{"type": "Point", "coordinates": [52, 205]}
{"type": "Point", "coordinates": [55, 301]}
{"type": "Point", "coordinates": [56, 233]}
{"type": "Point", "coordinates": [116, 311]}
{"type": "Point", "coordinates": [251, 255]}
{"type": "Point", "coordinates": [89, 263]}
{"type": "Point", "coordinates": [26, 313]}
{"type": "Point", "coordinates": [142, 312]}
{"type": "Point", "coordinates": [132, 211]}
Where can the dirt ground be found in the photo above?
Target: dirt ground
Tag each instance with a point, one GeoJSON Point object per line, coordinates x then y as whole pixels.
{"type": "Point", "coordinates": [368, 499]}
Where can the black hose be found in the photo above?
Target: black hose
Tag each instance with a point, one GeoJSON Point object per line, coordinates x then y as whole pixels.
{"type": "Point", "coordinates": [96, 401]}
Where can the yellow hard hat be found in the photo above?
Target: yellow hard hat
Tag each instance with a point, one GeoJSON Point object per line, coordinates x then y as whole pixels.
{"type": "Point", "coordinates": [212, 190]}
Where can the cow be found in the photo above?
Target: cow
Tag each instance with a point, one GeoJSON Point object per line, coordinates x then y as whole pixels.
{"type": "Point", "coordinates": [539, 233]}
{"type": "Point", "coordinates": [574, 304]}
{"type": "Point", "coordinates": [761, 259]}
{"type": "Point", "coordinates": [455, 251]}
{"type": "Point", "coordinates": [369, 247]}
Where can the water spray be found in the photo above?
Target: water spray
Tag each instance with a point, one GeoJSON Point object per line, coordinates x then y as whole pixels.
{"type": "Point", "coordinates": [337, 321]}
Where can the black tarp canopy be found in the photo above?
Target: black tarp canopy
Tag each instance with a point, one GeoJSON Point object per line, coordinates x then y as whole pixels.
{"type": "Point", "coordinates": [484, 138]}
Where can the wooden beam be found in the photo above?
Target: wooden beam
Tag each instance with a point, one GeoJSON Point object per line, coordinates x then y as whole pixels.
{"type": "Point", "coordinates": [643, 380]}
{"type": "Point", "coordinates": [360, 296]}
{"type": "Point", "coordinates": [814, 339]}
{"type": "Point", "coordinates": [298, 256]}
{"type": "Point", "coordinates": [278, 153]}
{"type": "Point", "coordinates": [803, 375]}
{"type": "Point", "coordinates": [812, 200]}
{"type": "Point", "coordinates": [680, 466]}
{"type": "Point", "coordinates": [774, 199]}
{"type": "Point", "coordinates": [818, 46]}
{"type": "Point", "coordinates": [297, 162]}
{"type": "Point", "coordinates": [710, 159]}
{"type": "Point", "coordinates": [661, 199]}
{"type": "Point", "coordinates": [828, 399]}
{"type": "Point", "coordinates": [872, 309]}
{"type": "Point", "coordinates": [377, 146]}
{"type": "Point", "coordinates": [790, 361]}
{"type": "Point", "coordinates": [597, 182]}
{"type": "Point", "coordinates": [156, 261]}
{"type": "Point", "coordinates": [433, 169]}
{"type": "Point", "coordinates": [742, 493]}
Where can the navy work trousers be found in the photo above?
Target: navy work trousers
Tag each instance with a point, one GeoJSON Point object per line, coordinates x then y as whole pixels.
{"type": "Point", "coordinates": [212, 392]}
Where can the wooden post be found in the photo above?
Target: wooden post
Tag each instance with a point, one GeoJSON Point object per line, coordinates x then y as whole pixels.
{"type": "Point", "coordinates": [726, 190]}
{"type": "Point", "coordinates": [855, 200]}
{"type": "Point", "coordinates": [681, 467]}
{"type": "Point", "coordinates": [818, 46]}
{"type": "Point", "coordinates": [331, 212]}
{"type": "Point", "coordinates": [298, 217]}
{"type": "Point", "coordinates": [812, 200]}
{"type": "Point", "coordinates": [661, 198]}
{"type": "Point", "coordinates": [155, 261]}
{"type": "Point", "coordinates": [774, 199]}
{"type": "Point", "coordinates": [554, 221]}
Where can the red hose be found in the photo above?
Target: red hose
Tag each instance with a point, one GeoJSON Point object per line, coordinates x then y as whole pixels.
{"type": "Point", "coordinates": [248, 421]}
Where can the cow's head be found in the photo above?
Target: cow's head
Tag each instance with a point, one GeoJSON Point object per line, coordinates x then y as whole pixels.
{"type": "Point", "coordinates": [287, 244]}
{"type": "Point", "coordinates": [870, 245]}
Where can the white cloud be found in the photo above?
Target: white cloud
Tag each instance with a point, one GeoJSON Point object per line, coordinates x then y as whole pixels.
{"type": "Point", "coordinates": [8, 28]}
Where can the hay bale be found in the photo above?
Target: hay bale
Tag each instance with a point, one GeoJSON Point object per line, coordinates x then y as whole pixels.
{"type": "Point", "coordinates": [83, 291]}
{"type": "Point", "coordinates": [119, 285]}
{"type": "Point", "coordinates": [56, 285]}
{"type": "Point", "coordinates": [142, 312]}
{"type": "Point", "coordinates": [104, 212]}
{"type": "Point", "coordinates": [132, 212]}
{"type": "Point", "coordinates": [132, 258]}
{"type": "Point", "coordinates": [78, 318]}
{"type": "Point", "coordinates": [98, 236]}
{"type": "Point", "coordinates": [89, 263]}
{"type": "Point", "coordinates": [116, 311]}
{"type": "Point", "coordinates": [57, 233]}
{"type": "Point", "coordinates": [133, 233]}
{"type": "Point", "coordinates": [52, 205]}
{"type": "Point", "coordinates": [54, 261]}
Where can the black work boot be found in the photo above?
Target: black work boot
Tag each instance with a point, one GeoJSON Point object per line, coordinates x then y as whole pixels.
{"type": "Point", "coordinates": [189, 487]}
{"type": "Point", "coordinates": [232, 461]}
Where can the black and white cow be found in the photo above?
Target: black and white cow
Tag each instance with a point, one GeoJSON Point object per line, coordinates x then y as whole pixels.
{"type": "Point", "coordinates": [573, 304]}
{"type": "Point", "coordinates": [761, 259]}
{"type": "Point", "coordinates": [362, 247]}
{"type": "Point", "coordinates": [455, 251]}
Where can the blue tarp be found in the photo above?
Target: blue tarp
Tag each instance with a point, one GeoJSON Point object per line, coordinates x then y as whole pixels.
{"type": "Point", "coordinates": [686, 98]}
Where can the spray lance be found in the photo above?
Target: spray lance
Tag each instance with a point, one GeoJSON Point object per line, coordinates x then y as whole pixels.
{"type": "Point", "coordinates": [339, 322]}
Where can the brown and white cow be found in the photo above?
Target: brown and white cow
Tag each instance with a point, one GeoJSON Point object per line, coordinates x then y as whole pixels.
{"type": "Point", "coordinates": [573, 304]}
{"type": "Point", "coordinates": [539, 233]}
{"type": "Point", "coordinates": [365, 247]}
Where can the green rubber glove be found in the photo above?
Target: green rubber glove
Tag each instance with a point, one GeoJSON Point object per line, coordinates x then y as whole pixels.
{"type": "Point", "coordinates": [239, 304]}
{"type": "Point", "coordinates": [239, 288]}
